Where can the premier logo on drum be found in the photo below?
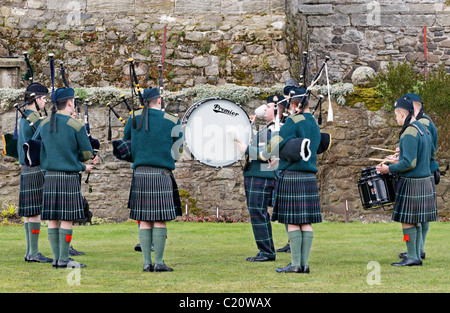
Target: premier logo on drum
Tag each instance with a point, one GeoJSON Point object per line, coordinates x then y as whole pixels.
{"type": "Point", "coordinates": [219, 109]}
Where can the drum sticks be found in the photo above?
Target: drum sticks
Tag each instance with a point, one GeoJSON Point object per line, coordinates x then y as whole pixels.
{"type": "Point", "coordinates": [383, 161]}
{"type": "Point", "coordinates": [382, 149]}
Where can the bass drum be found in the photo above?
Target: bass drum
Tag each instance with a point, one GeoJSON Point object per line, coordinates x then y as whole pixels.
{"type": "Point", "coordinates": [375, 189]}
{"type": "Point", "coordinates": [212, 128]}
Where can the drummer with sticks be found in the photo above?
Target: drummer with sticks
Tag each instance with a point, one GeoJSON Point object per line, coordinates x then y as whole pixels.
{"type": "Point", "coordinates": [415, 199]}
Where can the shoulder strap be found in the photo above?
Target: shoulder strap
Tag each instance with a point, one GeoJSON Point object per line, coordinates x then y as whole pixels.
{"type": "Point", "coordinates": [418, 129]}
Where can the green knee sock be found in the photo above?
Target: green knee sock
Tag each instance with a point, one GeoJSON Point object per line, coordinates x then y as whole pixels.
{"type": "Point", "coordinates": [159, 242]}
{"type": "Point", "coordinates": [425, 227]}
{"type": "Point", "coordinates": [145, 239]}
{"type": "Point", "coordinates": [307, 239]}
{"type": "Point", "coordinates": [409, 236]}
{"type": "Point", "coordinates": [295, 239]}
{"type": "Point", "coordinates": [27, 238]}
{"type": "Point", "coordinates": [65, 237]}
{"type": "Point", "coordinates": [53, 238]}
{"type": "Point", "coordinates": [33, 232]}
{"type": "Point", "coordinates": [419, 241]}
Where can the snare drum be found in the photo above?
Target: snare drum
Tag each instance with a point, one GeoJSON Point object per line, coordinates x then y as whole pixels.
{"type": "Point", "coordinates": [211, 129]}
{"type": "Point", "coordinates": [375, 189]}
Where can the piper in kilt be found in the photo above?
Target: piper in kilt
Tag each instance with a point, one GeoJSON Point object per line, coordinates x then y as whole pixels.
{"type": "Point", "coordinates": [64, 146]}
{"type": "Point", "coordinates": [156, 143]}
{"type": "Point", "coordinates": [415, 197]}
{"type": "Point", "coordinates": [259, 183]}
{"type": "Point", "coordinates": [31, 178]}
{"type": "Point", "coordinates": [297, 197]}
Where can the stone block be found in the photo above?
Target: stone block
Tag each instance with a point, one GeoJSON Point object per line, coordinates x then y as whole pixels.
{"type": "Point", "coordinates": [10, 72]}
{"type": "Point", "coordinates": [111, 6]}
{"type": "Point", "coordinates": [244, 7]}
{"type": "Point", "coordinates": [197, 7]}
{"type": "Point", "coordinates": [329, 21]}
{"type": "Point", "coordinates": [155, 6]}
{"type": "Point", "coordinates": [316, 9]}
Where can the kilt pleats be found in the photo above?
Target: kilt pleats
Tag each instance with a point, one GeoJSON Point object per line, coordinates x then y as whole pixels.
{"type": "Point", "coordinates": [415, 200]}
{"type": "Point", "coordinates": [297, 199]}
{"type": "Point", "coordinates": [31, 188]}
{"type": "Point", "coordinates": [62, 198]}
{"type": "Point", "coordinates": [154, 195]}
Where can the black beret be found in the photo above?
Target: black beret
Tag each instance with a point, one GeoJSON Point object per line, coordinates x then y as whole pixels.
{"type": "Point", "coordinates": [404, 103]}
{"type": "Point", "coordinates": [37, 89]}
{"type": "Point", "coordinates": [274, 98]}
{"type": "Point", "coordinates": [150, 94]}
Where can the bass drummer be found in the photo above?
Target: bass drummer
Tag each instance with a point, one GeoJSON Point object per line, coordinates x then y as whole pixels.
{"type": "Point", "coordinates": [259, 183]}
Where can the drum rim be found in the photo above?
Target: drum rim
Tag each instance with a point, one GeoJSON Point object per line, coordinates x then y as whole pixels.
{"type": "Point", "coordinates": [198, 103]}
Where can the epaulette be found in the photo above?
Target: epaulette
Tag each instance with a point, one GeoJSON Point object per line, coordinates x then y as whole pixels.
{"type": "Point", "coordinates": [410, 131]}
{"type": "Point", "coordinates": [34, 117]}
{"type": "Point", "coordinates": [45, 120]}
{"type": "Point", "coordinates": [77, 124]}
{"type": "Point", "coordinates": [171, 117]}
{"type": "Point", "coordinates": [298, 117]}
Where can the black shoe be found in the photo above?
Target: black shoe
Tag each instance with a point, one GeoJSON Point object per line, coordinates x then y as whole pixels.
{"type": "Point", "coordinates": [286, 248]}
{"type": "Point", "coordinates": [403, 255]}
{"type": "Point", "coordinates": [73, 252]}
{"type": "Point", "coordinates": [260, 258]}
{"type": "Point", "coordinates": [148, 268]}
{"type": "Point", "coordinates": [305, 269]}
{"type": "Point", "coordinates": [69, 264]}
{"type": "Point", "coordinates": [162, 268]}
{"type": "Point", "coordinates": [290, 269]}
{"type": "Point", "coordinates": [408, 262]}
{"type": "Point", "coordinates": [38, 258]}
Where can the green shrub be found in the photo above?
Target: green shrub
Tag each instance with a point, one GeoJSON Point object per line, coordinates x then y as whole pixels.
{"type": "Point", "coordinates": [396, 81]}
{"type": "Point", "coordinates": [434, 90]}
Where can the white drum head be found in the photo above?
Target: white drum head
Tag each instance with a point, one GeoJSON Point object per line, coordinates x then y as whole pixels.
{"type": "Point", "coordinates": [211, 130]}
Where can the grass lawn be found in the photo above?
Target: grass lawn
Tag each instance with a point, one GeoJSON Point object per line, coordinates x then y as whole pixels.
{"type": "Point", "coordinates": [210, 258]}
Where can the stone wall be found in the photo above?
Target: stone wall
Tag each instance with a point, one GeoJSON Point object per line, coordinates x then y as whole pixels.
{"type": "Point", "coordinates": [212, 42]}
{"type": "Point", "coordinates": [363, 32]}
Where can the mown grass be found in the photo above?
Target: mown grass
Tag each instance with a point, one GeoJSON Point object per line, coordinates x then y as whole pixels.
{"type": "Point", "coordinates": [210, 258]}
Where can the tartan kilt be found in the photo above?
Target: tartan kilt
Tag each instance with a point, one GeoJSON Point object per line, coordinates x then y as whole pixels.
{"type": "Point", "coordinates": [415, 200]}
{"type": "Point", "coordinates": [62, 198]}
{"type": "Point", "coordinates": [154, 195]}
{"type": "Point", "coordinates": [297, 198]}
{"type": "Point", "coordinates": [31, 187]}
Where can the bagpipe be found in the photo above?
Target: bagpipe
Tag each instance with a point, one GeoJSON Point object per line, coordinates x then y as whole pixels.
{"type": "Point", "coordinates": [10, 140]}
{"type": "Point", "coordinates": [122, 148]}
{"type": "Point", "coordinates": [32, 147]}
{"type": "Point", "coordinates": [297, 149]}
